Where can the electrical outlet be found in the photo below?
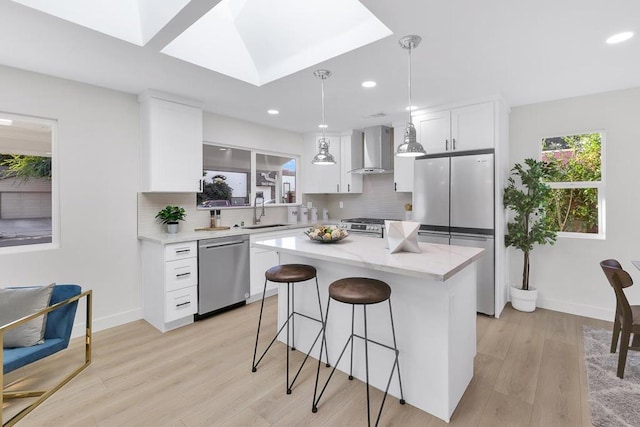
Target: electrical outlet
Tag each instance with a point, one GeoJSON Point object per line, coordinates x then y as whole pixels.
{"type": "Point", "coordinates": [341, 205]}
{"type": "Point", "coordinates": [309, 205]}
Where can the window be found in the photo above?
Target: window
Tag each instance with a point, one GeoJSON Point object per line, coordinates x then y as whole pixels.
{"type": "Point", "coordinates": [27, 186]}
{"type": "Point", "coordinates": [576, 204]}
{"type": "Point", "coordinates": [228, 172]}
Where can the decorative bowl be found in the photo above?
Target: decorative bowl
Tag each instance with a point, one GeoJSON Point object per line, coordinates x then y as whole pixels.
{"type": "Point", "coordinates": [326, 233]}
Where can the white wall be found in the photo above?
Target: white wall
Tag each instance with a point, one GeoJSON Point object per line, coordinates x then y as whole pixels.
{"type": "Point", "coordinates": [568, 275]}
{"type": "Point", "coordinates": [98, 146]}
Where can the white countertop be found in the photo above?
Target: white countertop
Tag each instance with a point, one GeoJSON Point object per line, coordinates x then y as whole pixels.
{"type": "Point", "coordinates": [187, 236]}
{"type": "Point", "coordinates": [439, 262]}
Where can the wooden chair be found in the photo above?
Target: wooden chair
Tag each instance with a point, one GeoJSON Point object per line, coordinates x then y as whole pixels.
{"type": "Point", "coordinates": [60, 316]}
{"type": "Point", "coordinates": [627, 319]}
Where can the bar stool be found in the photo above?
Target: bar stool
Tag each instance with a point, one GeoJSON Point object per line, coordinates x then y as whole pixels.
{"type": "Point", "coordinates": [291, 274]}
{"type": "Point", "coordinates": [360, 291]}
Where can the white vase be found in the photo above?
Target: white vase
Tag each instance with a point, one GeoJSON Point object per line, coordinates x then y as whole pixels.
{"type": "Point", "coordinates": [523, 300]}
{"type": "Point", "coordinates": [172, 227]}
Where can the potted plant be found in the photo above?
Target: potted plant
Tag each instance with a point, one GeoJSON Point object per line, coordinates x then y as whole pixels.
{"type": "Point", "coordinates": [171, 215]}
{"type": "Point", "coordinates": [527, 197]}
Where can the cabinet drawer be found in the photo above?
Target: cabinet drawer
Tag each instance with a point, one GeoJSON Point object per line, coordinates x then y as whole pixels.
{"type": "Point", "coordinates": [180, 274]}
{"type": "Point", "coordinates": [180, 303]}
{"type": "Point", "coordinates": [180, 250]}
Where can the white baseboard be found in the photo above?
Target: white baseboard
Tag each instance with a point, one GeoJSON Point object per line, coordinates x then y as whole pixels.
{"type": "Point", "coordinates": [577, 309]}
{"type": "Point", "coordinates": [105, 322]}
{"type": "Point", "coordinates": [258, 297]}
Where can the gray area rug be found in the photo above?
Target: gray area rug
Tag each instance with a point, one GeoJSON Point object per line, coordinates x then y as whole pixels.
{"type": "Point", "coordinates": [614, 402]}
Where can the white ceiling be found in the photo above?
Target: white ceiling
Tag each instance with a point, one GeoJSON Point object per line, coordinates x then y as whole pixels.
{"type": "Point", "coordinates": [527, 51]}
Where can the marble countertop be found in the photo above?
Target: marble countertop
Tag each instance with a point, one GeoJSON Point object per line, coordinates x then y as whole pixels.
{"type": "Point", "coordinates": [187, 236]}
{"type": "Point", "coordinates": [439, 262]}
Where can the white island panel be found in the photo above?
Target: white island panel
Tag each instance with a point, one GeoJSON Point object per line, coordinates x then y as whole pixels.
{"type": "Point", "coordinates": [434, 302]}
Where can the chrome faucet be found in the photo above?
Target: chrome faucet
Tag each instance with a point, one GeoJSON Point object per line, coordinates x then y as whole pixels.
{"type": "Point", "coordinates": [256, 218]}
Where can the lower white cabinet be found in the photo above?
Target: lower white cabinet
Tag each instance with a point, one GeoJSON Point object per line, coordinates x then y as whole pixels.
{"type": "Point", "coordinates": [169, 283]}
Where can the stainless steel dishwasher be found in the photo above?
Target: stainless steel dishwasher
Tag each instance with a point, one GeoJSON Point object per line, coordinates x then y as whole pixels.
{"type": "Point", "coordinates": [223, 274]}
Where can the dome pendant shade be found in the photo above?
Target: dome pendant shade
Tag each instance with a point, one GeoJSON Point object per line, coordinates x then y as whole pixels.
{"type": "Point", "coordinates": [323, 157]}
{"type": "Point", "coordinates": [410, 147]}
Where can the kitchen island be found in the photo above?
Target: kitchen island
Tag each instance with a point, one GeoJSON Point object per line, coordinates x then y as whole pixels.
{"type": "Point", "coordinates": [434, 303]}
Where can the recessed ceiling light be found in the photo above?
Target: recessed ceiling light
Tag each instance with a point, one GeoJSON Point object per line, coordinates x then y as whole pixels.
{"type": "Point", "coordinates": [620, 37]}
{"type": "Point", "coordinates": [411, 107]}
{"type": "Point", "coordinates": [6, 122]}
{"type": "Point", "coordinates": [323, 126]}
{"type": "Point", "coordinates": [222, 149]}
{"type": "Point", "coordinates": [273, 112]}
{"type": "Point", "coordinates": [369, 83]}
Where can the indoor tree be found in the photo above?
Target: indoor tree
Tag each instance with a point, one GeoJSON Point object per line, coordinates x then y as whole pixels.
{"type": "Point", "coordinates": [525, 195]}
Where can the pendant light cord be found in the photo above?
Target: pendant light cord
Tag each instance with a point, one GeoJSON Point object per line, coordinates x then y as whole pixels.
{"type": "Point", "coordinates": [410, 49]}
{"type": "Point", "coordinates": [324, 125]}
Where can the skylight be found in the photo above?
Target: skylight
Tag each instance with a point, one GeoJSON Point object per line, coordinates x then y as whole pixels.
{"type": "Point", "coordinates": [260, 41]}
{"type": "Point", "coordinates": [135, 21]}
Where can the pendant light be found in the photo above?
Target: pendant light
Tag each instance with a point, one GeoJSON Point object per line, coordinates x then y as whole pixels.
{"type": "Point", "coordinates": [410, 147]}
{"type": "Point", "coordinates": [323, 157]}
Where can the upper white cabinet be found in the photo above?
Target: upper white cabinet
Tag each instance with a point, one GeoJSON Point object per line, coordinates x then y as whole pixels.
{"type": "Point", "coordinates": [331, 179]}
{"type": "Point", "coordinates": [460, 129]}
{"type": "Point", "coordinates": [171, 131]}
{"type": "Point", "coordinates": [403, 166]}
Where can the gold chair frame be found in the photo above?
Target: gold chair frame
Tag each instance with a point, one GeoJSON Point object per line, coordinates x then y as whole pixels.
{"type": "Point", "coordinates": [44, 394]}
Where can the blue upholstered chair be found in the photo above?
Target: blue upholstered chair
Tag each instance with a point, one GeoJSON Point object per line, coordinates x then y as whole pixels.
{"type": "Point", "coordinates": [60, 316]}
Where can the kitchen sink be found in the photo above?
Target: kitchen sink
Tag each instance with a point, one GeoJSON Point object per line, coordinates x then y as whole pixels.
{"type": "Point", "coordinates": [256, 227]}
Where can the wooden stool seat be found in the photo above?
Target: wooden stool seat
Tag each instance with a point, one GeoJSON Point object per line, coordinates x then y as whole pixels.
{"type": "Point", "coordinates": [290, 273]}
{"type": "Point", "coordinates": [359, 290]}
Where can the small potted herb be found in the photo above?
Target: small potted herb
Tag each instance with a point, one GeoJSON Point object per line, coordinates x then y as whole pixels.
{"type": "Point", "coordinates": [171, 215]}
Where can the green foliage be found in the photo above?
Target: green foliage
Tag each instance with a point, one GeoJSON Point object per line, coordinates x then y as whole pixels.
{"type": "Point", "coordinates": [26, 167]}
{"type": "Point", "coordinates": [171, 214]}
{"type": "Point", "coordinates": [526, 197]}
{"type": "Point", "coordinates": [574, 209]}
{"type": "Point", "coordinates": [216, 190]}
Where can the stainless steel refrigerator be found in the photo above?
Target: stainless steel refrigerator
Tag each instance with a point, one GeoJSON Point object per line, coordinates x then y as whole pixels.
{"type": "Point", "coordinates": [453, 199]}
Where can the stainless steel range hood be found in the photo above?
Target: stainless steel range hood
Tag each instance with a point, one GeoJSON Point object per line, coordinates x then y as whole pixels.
{"type": "Point", "coordinates": [378, 151]}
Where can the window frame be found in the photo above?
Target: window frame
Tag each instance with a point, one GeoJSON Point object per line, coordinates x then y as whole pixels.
{"type": "Point", "coordinates": [55, 187]}
{"type": "Point", "coordinates": [253, 172]}
{"type": "Point", "coordinates": [600, 186]}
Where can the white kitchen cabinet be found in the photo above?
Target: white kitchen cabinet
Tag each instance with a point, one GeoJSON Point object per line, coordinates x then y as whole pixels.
{"type": "Point", "coordinates": [262, 260]}
{"type": "Point", "coordinates": [320, 178]}
{"type": "Point", "coordinates": [171, 132]}
{"type": "Point", "coordinates": [331, 179]}
{"type": "Point", "coordinates": [464, 128]}
{"type": "Point", "coordinates": [403, 166]}
{"type": "Point", "coordinates": [351, 147]}
{"type": "Point", "coordinates": [169, 283]}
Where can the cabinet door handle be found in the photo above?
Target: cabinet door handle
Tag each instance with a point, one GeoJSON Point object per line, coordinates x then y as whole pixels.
{"type": "Point", "coordinates": [183, 304]}
{"type": "Point", "coordinates": [337, 188]}
{"type": "Point", "coordinates": [200, 184]}
{"type": "Point", "coordinates": [348, 188]}
{"type": "Point", "coordinates": [453, 141]}
{"type": "Point", "coordinates": [395, 186]}
{"type": "Point", "coordinates": [183, 274]}
{"type": "Point", "coordinates": [446, 145]}
{"type": "Point", "coordinates": [182, 251]}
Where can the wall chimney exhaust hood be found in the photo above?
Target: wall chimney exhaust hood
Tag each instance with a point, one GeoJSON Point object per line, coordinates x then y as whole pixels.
{"type": "Point", "coordinates": [378, 151]}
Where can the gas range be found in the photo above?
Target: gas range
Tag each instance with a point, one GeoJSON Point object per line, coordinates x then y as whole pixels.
{"type": "Point", "coordinates": [373, 227]}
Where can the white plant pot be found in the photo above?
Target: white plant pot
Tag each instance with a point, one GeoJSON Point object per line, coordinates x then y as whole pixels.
{"type": "Point", "coordinates": [172, 228]}
{"type": "Point", "coordinates": [523, 300]}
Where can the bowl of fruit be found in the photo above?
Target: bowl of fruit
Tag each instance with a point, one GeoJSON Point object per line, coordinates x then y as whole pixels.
{"type": "Point", "coordinates": [326, 233]}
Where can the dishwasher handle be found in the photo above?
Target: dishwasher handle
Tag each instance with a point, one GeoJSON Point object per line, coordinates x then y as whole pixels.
{"type": "Point", "coordinates": [219, 245]}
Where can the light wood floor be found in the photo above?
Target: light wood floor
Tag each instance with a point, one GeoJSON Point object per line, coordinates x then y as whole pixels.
{"type": "Point", "coordinates": [529, 371]}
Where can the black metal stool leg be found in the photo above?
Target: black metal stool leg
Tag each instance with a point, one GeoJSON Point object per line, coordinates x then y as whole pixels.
{"type": "Point", "coordinates": [395, 346]}
{"type": "Point", "coordinates": [324, 339]}
{"type": "Point", "coordinates": [288, 316]}
{"type": "Point", "coordinates": [293, 319]}
{"type": "Point", "coordinates": [353, 310]}
{"type": "Point", "coordinates": [255, 349]}
{"type": "Point", "coordinates": [314, 408]}
{"type": "Point", "coordinates": [366, 361]}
